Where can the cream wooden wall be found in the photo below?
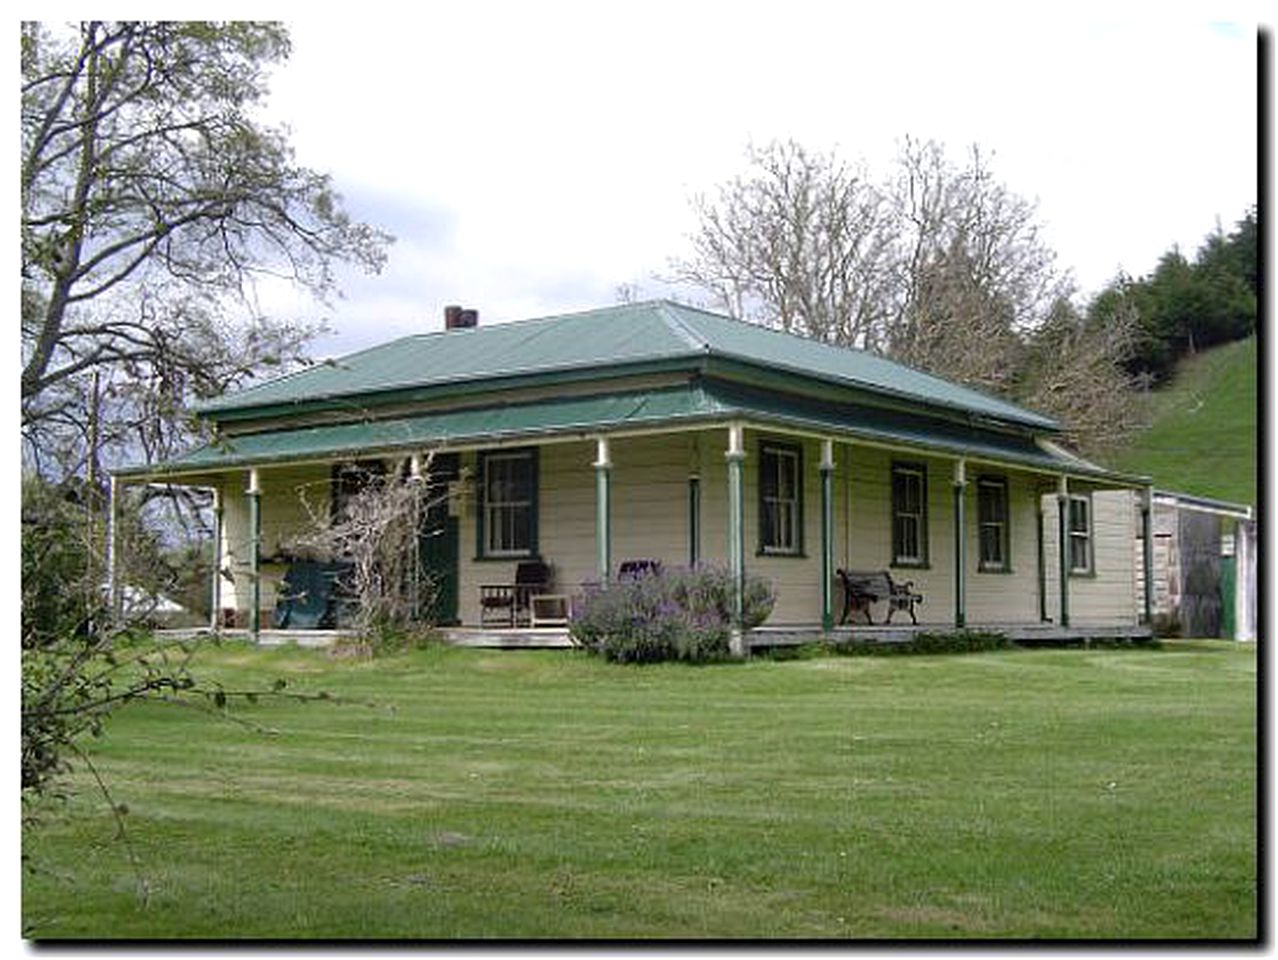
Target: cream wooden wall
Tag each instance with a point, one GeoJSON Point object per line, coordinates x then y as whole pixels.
{"type": "Point", "coordinates": [650, 520]}
{"type": "Point", "coordinates": [1108, 596]}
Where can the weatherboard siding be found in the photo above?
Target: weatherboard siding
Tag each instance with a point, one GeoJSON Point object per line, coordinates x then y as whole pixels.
{"type": "Point", "coordinates": [565, 525]}
{"type": "Point", "coordinates": [650, 519]}
{"type": "Point", "coordinates": [1012, 596]}
{"type": "Point", "coordinates": [863, 493]}
{"type": "Point", "coordinates": [1104, 596]}
{"type": "Point", "coordinates": [649, 484]}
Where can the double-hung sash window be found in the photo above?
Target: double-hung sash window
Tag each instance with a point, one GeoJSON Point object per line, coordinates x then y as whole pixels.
{"type": "Point", "coordinates": [909, 514]}
{"type": "Point", "coordinates": [780, 499]}
{"type": "Point", "coordinates": [1080, 535]}
{"type": "Point", "coordinates": [508, 503]}
{"type": "Point", "coordinates": [991, 520]}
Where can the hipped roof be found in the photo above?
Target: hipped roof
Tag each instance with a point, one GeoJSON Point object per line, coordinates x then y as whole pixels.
{"type": "Point", "coordinates": [603, 342]}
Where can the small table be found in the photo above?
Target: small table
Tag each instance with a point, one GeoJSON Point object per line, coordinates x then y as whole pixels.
{"type": "Point", "coordinates": [548, 610]}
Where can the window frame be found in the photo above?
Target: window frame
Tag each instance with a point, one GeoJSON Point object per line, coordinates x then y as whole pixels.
{"type": "Point", "coordinates": [483, 521]}
{"type": "Point", "coordinates": [912, 468]}
{"type": "Point", "coordinates": [1087, 535]}
{"type": "Point", "coordinates": [1004, 525]}
{"type": "Point", "coordinates": [779, 450]}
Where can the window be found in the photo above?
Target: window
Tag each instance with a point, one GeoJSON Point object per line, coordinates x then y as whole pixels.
{"type": "Point", "coordinates": [780, 499]}
{"type": "Point", "coordinates": [508, 504]}
{"type": "Point", "coordinates": [909, 515]}
{"type": "Point", "coordinates": [991, 522]}
{"type": "Point", "coordinates": [1080, 535]}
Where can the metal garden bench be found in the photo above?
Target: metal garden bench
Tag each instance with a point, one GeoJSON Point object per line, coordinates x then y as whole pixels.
{"type": "Point", "coordinates": [862, 589]}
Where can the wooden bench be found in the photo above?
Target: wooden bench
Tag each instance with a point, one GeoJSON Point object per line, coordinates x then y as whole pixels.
{"type": "Point", "coordinates": [861, 589]}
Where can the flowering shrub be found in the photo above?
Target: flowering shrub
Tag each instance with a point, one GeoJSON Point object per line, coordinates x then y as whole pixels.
{"type": "Point", "coordinates": [674, 615]}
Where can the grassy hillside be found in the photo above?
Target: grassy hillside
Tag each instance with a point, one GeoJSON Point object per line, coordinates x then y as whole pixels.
{"type": "Point", "coordinates": [1202, 434]}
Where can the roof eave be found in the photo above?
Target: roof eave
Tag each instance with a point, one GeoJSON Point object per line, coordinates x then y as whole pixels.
{"type": "Point", "coordinates": [720, 363]}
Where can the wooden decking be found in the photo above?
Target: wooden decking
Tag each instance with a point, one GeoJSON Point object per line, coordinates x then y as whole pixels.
{"type": "Point", "coordinates": [1027, 633]}
{"type": "Point", "coordinates": [508, 638]}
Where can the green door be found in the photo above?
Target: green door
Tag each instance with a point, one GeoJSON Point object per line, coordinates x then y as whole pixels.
{"type": "Point", "coordinates": [1227, 574]}
{"type": "Point", "coordinates": [437, 544]}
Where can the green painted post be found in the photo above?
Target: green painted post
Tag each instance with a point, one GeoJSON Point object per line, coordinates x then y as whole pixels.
{"type": "Point", "coordinates": [215, 591]}
{"type": "Point", "coordinates": [1062, 510]}
{"type": "Point", "coordinates": [1228, 596]}
{"type": "Point", "coordinates": [827, 535]}
{"type": "Point", "coordinates": [960, 545]}
{"type": "Point", "coordinates": [736, 533]}
{"type": "Point", "coordinates": [1042, 562]}
{"type": "Point", "coordinates": [694, 520]}
{"type": "Point", "coordinates": [255, 554]}
{"type": "Point", "coordinates": [603, 510]}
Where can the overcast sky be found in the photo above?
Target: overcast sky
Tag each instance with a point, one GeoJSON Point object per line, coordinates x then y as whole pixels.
{"type": "Point", "coordinates": [530, 158]}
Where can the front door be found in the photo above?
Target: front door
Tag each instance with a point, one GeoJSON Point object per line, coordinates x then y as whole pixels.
{"type": "Point", "coordinates": [437, 542]}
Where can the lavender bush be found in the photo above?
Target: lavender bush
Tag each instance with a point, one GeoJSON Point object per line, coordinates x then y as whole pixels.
{"type": "Point", "coordinates": [673, 615]}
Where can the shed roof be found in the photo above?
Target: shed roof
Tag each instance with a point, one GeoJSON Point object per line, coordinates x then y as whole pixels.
{"type": "Point", "coordinates": [604, 342]}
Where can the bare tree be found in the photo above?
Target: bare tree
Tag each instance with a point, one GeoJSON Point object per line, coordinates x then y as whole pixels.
{"type": "Point", "coordinates": [377, 533]}
{"type": "Point", "coordinates": [975, 273]}
{"type": "Point", "coordinates": [942, 268]}
{"type": "Point", "coordinates": [801, 241]}
{"type": "Point", "coordinates": [151, 202]}
{"type": "Point", "coordinates": [1074, 370]}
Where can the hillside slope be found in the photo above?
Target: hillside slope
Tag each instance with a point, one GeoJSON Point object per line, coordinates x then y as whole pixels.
{"type": "Point", "coordinates": [1202, 434]}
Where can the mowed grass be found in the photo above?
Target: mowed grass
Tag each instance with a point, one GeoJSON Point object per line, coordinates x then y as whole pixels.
{"type": "Point", "coordinates": [543, 794]}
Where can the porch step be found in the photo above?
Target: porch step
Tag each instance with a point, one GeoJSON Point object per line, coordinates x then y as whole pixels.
{"type": "Point", "coordinates": [509, 637]}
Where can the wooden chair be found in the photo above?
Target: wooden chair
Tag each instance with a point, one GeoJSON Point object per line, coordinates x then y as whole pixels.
{"type": "Point", "coordinates": [509, 604]}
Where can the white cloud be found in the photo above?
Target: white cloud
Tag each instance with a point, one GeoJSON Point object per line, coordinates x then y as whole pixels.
{"type": "Point", "coordinates": [534, 156]}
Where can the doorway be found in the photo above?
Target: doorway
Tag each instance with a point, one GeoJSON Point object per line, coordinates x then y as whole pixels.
{"type": "Point", "coordinates": [438, 538]}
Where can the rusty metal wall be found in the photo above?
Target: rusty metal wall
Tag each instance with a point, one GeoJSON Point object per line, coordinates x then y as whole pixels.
{"type": "Point", "coordinates": [1199, 548]}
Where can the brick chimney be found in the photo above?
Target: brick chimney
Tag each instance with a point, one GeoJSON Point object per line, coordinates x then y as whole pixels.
{"type": "Point", "coordinates": [458, 318]}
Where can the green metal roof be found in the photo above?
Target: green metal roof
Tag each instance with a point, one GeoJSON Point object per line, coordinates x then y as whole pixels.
{"type": "Point", "coordinates": [599, 344]}
{"type": "Point", "coordinates": [490, 424]}
{"type": "Point", "coordinates": [686, 404]}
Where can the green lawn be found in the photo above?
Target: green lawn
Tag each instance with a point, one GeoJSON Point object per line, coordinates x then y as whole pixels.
{"type": "Point", "coordinates": [528, 794]}
{"type": "Point", "coordinates": [1202, 433]}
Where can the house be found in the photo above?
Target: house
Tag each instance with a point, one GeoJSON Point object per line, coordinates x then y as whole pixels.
{"type": "Point", "coordinates": [659, 431]}
{"type": "Point", "coordinates": [1204, 562]}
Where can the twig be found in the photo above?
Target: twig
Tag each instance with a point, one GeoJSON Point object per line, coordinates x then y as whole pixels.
{"type": "Point", "coordinates": [144, 888]}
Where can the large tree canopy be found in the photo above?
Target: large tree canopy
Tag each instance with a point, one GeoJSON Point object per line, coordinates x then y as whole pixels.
{"type": "Point", "coordinates": [938, 265]}
{"type": "Point", "coordinates": [152, 200]}
{"type": "Point", "coordinates": [801, 241]}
